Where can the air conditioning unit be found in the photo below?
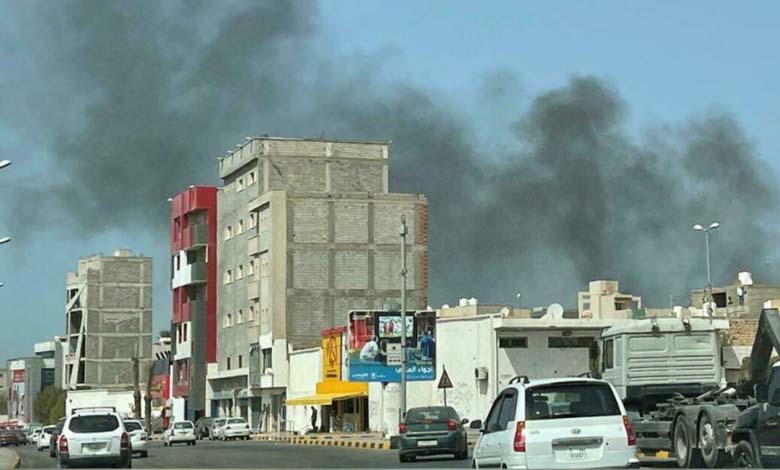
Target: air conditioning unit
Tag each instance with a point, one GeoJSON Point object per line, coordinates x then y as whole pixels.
{"type": "Point", "coordinates": [480, 373]}
{"type": "Point", "coordinates": [269, 371]}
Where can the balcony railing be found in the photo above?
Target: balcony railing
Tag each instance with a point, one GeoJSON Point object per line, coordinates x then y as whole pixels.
{"type": "Point", "coordinates": [195, 236]}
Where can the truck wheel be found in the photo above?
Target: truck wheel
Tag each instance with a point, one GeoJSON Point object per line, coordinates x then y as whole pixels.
{"type": "Point", "coordinates": [743, 456]}
{"type": "Point", "coordinates": [713, 456]}
{"type": "Point", "coordinates": [684, 453]}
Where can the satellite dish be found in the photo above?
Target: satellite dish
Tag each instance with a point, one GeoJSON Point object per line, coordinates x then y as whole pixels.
{"type": "Point", "coordinates": [554, 311]}
{"type": "Point", "coordinates": [504, 311]}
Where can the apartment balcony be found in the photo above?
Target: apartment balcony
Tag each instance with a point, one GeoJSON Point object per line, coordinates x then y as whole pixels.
{"type": "Point", "coordinates": [194, 273]}
{"type": "Point", "coordinates": [192, 309]}
{"type": "Point", "coordinates": [253, 290]}
{"type": "Point", "coordinates": [257, 243]}
{"type": "Point", "coordinates": [195, 236]}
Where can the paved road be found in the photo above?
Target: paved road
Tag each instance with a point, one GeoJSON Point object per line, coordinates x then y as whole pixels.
{"type": "Point", "coordinates": [240, 454]}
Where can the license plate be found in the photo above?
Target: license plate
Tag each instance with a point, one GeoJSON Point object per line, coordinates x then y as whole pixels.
{"type": "Point", "coordinates": [93, 447]}
{"type": "Point", "coordinates": [578, 454]}
{"type": "Point", "coordinates": [426, 443]}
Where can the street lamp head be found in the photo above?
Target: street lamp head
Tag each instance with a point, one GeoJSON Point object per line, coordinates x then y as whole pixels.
{"type": "Point", "coordinates": [698, 227]}
{"type": "Point", "coordinates": [5, 240]}
{"type": "Point", "coordinates": [713, 226]}
{"type": "Point", "coordinates": [4, 163]}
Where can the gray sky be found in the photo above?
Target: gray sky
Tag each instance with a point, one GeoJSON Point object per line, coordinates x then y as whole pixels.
{"type": "Point", "coordinates": [557, 141]}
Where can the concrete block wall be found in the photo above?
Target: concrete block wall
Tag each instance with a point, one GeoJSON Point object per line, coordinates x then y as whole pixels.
{"type": "Point", "coordinates": [344, 254]}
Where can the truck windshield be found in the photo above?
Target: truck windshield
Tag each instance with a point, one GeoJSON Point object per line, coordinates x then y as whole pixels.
{"type": "Point", "coordinates": [570, 400]}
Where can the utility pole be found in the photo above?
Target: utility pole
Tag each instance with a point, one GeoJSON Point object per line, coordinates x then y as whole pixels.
{"type": "Point", "coordinates": [148, 398]}
{"type": "Point", "coordinates": [402, 231]}
{"type": "Point", "coordinates": [136, 390]}
{"type": "Point", "coordinates": [706, 231]}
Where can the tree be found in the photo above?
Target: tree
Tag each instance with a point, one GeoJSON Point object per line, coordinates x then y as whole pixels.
{"type": "Point", "coordinates": [3, 403]}
{"type": "Point", "coordinates": [164, 334]}
{"type": "Point", "coordinates": [49, 405]}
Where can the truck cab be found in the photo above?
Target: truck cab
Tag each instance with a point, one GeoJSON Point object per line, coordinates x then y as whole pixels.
{"type": "Point", "coordinates": [650, 361]}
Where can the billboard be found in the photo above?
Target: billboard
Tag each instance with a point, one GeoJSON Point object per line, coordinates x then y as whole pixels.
{"type": "Point", "coordinates": [375, 346]}
{"type": "Point", "coordinates": [331, 355]}
{"type": "Point", "coordinates": [18, 390]}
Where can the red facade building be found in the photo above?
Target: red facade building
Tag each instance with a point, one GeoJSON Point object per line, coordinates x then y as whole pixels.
{"type": "Point", "coordinates": [193, 280]}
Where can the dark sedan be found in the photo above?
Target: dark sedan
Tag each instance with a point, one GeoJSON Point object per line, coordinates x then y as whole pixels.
{"type": "Point", "coordinates": [433, 430]}
{"type": "Point", "coordinates": [55, 435]}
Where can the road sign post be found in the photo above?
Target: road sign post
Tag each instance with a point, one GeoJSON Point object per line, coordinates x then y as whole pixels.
{"type": "Point", "coordinates": [444, 383]}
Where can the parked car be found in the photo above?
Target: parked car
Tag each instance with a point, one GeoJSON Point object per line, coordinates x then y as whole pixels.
{"type": "Point", "coordinates": [21, 437]}
{"type": "Point", "coordinates": [55, 434]}
{"type": "Point", "coordinates": [44, 437]}
{"type": "Point", "coordinates": [95, 437]}
{"type": "Point", "coordinates": [557, 423]}
{"type": "Point", "coordinates": [203, 427]}
{"type": "Point", "coordinates": [433, 430]}
{"type": "Point", "coordinates": [32, 435]}
{"type": "Point", "coordinates": [216, 428]}
{"type": "Point", "coordinates": [8, 438]}
{"type": "Point", "coordinates": [235, 428]}
{"type": "Point", "coordinates": [180, 431]}
{"type": "Point", "coordinates": [138, 435]}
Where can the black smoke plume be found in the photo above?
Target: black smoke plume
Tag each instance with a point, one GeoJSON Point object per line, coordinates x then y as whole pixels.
{"type": "Point", "coordinates": [134, 101]}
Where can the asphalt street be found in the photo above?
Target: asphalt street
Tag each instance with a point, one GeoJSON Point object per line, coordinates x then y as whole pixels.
{"type": "Point", "coordinates": [256, 454]}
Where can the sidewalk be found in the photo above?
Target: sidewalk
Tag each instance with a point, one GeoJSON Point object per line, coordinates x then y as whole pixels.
{"type": "Point", "coordinates": [9, 459]}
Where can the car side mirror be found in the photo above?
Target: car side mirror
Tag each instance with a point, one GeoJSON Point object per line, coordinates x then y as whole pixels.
{"type": "Point", "coordinates": [476, 424]}
{"type": "Point", "coordinates": [464, 421]}
{"type": "Point", "coordinates": [774, 400]}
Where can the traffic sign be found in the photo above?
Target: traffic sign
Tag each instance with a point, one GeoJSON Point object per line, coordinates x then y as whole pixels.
{"type": "Point", "coordinates": [445, 381]}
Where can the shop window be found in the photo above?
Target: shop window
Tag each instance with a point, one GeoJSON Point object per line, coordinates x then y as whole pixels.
{"type": "Point", "coordinates": [609, 354]}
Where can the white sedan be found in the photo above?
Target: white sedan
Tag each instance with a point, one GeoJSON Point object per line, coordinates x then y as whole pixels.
{"type": "Point", "coordinates": [180, 432]}
{"type": "Point", "coordinates": [135, 429]}
{"type": "Point", "coordinates": [235, 428]}
{"type": "Point", "coordinates": [44, 437]}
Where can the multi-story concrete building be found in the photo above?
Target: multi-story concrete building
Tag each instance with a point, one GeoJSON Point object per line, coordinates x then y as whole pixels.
{"type": "Point", "coordinates": [27, 377]}
{"type": "Point", "coordinates": [194, 284]}
{"type": "Point", "coordinates": [308, 231]}
{"type": "Point", "coordinates": [108, 320]}
{"type": "Point", "coordinates": [604, 300]}
{"type": "Point", "coordinates": [743, 298]}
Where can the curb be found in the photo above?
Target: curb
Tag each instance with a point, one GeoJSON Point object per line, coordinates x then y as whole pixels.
{"type": "Point", "coordinates": [327, 441]}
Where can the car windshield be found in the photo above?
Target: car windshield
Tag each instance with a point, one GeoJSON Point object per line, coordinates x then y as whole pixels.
{"type": "Point", "coordinates": [427, 415]}
{"type": "Point", "coordinates": [220, 422]}
{"type": "Point", "coordinates": [93, 423]}
{"type": "Point", "coordinates": [184, 425]}
{"type": "Point", "coordinates": [131, 426]}
{"type": "Point", "coordinates": [570, 400]}
{"type": "Point", "coordinates": [48, 429]}
{"type": "Point", "coordinates": [236, 421]}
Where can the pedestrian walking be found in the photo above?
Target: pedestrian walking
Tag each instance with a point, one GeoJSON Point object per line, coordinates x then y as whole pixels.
{"type": "Point", "coordinates": [313, 419]}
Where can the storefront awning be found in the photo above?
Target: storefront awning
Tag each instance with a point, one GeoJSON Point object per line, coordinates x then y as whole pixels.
{"type": "Point", "coordinates": [323, 398]}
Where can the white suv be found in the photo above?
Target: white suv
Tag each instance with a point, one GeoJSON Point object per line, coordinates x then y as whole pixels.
{"type": "Point", "coordinates": [556, 423]}
{"type": "Point", "coordinates": [94, 436]}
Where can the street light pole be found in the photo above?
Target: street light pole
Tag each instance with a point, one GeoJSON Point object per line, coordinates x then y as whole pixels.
{"type": "Point", "coordinates": [700, 228]}
{"type": "Point", "coordinates": [402, 231]}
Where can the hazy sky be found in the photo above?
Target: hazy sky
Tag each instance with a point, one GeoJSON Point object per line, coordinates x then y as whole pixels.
{"type": "Point", "coordinates": [669, 62]}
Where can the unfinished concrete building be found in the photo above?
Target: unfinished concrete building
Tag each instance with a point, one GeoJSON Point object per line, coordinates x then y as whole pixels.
{"type": "Point", "coordinates": [108, 320]}
{"type": "Point", "coordinates": [308, 231]}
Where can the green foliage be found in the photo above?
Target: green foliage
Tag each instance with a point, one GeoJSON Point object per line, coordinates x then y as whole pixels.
{"type": "Point", "coordinates": [3, 403]}
{"type": "Point", "coordinates": [50, 405]}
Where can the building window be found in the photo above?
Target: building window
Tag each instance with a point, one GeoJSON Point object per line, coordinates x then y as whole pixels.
{"type": "Point", "coordinates": [251, 178]}
{"type": "Point", "coordinates": [240, 361]}
{"type": "Point", "coordinates": [267, 359]}
{"type": "Point", "coordinates": [240, 317]}
{"type": "Point", "coordinates": [609, 354]}
{"type": "Point", "coordinates": [240, 272]}
{"type": "Point", "coordinates": [184, 333]}
{"type": "Point", "coordinates": [586, 305]}
{"type": "Point", "coordinates": [228, 232]}
{"type": "Point", "coordinates": [228, 276]}
{"type": "Point", "coordinates": [240, 226]}
{"type": "Point", "coordinates": [228, 320]}
{"type": "Point", "coordinates": [240, 184]}
{"type": "Point", "coordinates": [252, 220]}
{"type": "Point", "coordinates": [251, 312]}
{"type": "Point", "coordinates": [251, 270]}
{"type": "Point", "coordinates": [513, 343]}
{"type": "Point", "coordinates": [569, 342]}
{"type": "Point", "coordinates": [228, 363]}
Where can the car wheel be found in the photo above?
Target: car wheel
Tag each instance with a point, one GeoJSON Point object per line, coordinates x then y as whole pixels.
{"type": "Point", "coordinates": [165, 444]}
{"type": "Point", "coordinates": [684, 453]}
{"type": "Point", "coordinates": [744, 457]}
{"type": "Point", "coordinates": [402, 458]}
{"type": "Point", "coordinates": [194, 443]}
{"type": "Point", "coordinates": [145, 454]}
{"type": "Point", "coordinates": [713, 456]}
